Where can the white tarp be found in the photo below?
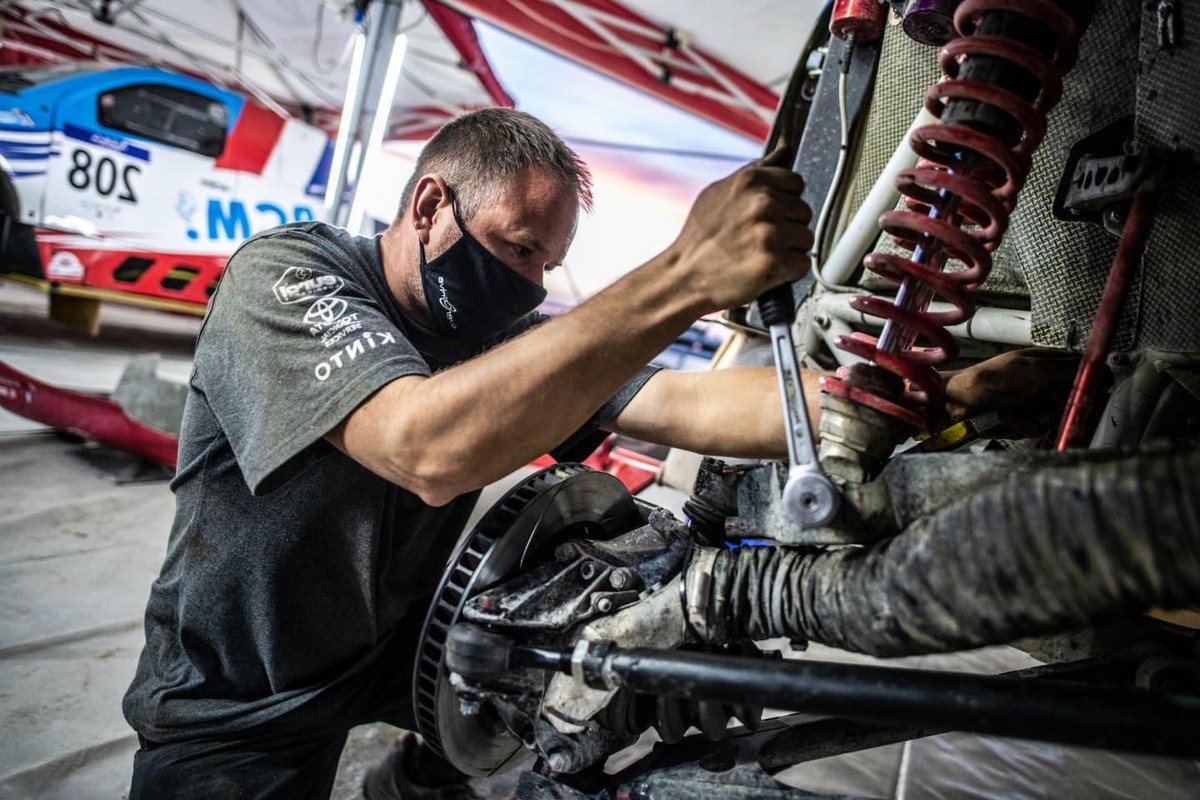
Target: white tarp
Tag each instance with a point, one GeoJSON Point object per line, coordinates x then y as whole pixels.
{"type": "Point", "coordinates": [286, 53]}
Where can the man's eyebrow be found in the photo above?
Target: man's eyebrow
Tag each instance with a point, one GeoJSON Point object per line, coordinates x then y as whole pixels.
{"type": "Point", "coordinates": [526, 239]}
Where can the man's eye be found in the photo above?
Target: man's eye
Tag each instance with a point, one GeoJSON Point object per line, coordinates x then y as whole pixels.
{"type": "Point", "coordinates": [522, 252]}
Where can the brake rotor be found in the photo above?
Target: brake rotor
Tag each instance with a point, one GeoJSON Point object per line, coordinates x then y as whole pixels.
{"type": "Point", "coordinates": [566, 500]}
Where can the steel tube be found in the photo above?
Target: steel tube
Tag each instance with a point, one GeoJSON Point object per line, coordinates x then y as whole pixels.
{"type": "Point", "coordinates": [1053, 711]}
{"type": "Point", "coordinates": [1129, 254]}
{"type": "Point", "coordinates": [998, 325]}
{"type": "Point", "coordinates": [863, 228]}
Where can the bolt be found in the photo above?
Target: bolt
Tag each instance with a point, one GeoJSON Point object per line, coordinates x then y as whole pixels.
{"type": "Point", "coordinates": [1113, 220]}
{"type": "Point", "coordinates": [558, 761]}
{"type": "Point", "coordinates": [604, 605]}
{"type": "Point", "coordinates": [619, 578]}
{"type": "Point", "coordinates": [587, 570]}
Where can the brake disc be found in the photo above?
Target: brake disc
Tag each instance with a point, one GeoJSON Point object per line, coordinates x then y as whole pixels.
{"type": "Point", "coordinates": [566, 500]}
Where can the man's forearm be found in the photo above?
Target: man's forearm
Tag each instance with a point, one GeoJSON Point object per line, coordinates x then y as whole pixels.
{"type": "Point", "coordinates": [733, 412]}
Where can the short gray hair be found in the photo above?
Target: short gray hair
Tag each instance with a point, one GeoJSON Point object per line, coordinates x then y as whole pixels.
{"type": "Point", "coordinates": [478, 152]}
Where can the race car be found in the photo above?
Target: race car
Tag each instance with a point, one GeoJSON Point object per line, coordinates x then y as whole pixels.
{"type": "Point", "coordinates": [135, 184]}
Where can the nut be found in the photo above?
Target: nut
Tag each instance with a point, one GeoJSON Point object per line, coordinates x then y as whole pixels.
{"type": "Point", "coordinates": [618, 578]}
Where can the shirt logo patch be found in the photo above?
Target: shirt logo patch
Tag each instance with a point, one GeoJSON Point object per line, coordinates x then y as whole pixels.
{"type": "Point", "coordinates": [345, 356]}
{"type": "Point", "coordinates": [301, 285]}
{"type": "Point", "coordinates": [325, 310]}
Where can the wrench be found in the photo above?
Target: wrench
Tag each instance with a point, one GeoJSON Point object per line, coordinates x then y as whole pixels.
{"type": "Point", "coordinates": [809, 497]}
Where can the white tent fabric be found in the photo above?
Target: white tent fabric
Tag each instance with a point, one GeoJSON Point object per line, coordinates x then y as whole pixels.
{"type": "Point", "coordinates": [284, 53]}
{"type": "Point", "coordinates": [726, 61]}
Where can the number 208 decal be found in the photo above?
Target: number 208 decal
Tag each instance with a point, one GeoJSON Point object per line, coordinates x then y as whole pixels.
{"type": "Point", "coordinates": [103, 175]}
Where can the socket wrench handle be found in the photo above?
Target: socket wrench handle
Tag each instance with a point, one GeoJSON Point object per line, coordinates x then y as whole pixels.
{"type": "Point", "coordinates": [809, 497]}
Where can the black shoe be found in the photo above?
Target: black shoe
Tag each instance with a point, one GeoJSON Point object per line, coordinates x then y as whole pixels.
{"type": "Point", "coordinates": [394, 778]}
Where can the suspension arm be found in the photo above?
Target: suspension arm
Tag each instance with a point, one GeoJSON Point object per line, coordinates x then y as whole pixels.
{"type": "Point", "coordinates": [1054, 711]}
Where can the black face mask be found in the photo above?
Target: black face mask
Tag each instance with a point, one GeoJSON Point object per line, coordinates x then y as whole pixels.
{"type": "Point", "coordinates": [473, 295]}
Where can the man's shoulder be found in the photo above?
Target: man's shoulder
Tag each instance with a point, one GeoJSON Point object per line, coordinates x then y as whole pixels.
{"type": "Point", "coordinates": [302, 252]}
{"type": "Point", "coordinates": [290, 268]}
{"type": "Point", "coordinates": [313, 232]}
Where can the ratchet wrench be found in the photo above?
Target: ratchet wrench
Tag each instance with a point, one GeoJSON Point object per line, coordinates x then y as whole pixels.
{"type": "Point", "coordinates": [809, 497]}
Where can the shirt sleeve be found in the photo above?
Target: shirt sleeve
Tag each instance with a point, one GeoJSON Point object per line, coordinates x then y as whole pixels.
{"type": "Point", "coordinates": [581, 443]}
{"type": "Point", "coordinates": [292, 344]}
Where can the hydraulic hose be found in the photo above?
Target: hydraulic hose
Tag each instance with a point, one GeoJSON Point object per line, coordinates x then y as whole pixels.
{"type": "Point", "coordinates": [1037, 553]}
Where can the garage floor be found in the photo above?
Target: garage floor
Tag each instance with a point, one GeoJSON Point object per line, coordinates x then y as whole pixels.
{"type": "Point", "coordinates": [82, 534]}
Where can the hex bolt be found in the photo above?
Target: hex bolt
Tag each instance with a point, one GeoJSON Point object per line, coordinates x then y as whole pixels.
{"type": "Point", "coordinates": [587, 570]}
{"type": "Point", "coordinates": [558, 761]}
{"type": "Point", "coordinates": [618, 578]}
{"type": "Point", "coordinates": [604, 605]}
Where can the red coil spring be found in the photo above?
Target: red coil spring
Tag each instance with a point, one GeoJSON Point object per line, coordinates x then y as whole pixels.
{"type": "Point", "coordinates": [964, 176]}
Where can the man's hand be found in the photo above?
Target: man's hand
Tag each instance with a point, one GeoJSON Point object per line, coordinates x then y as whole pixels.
{"type": "Point", "coordinates": [745, 234]}
{"type": "Point", "coordinates": [1027, 388]}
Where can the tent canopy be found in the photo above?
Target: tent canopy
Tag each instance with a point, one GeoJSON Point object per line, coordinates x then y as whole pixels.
{"type": "Point", "coordinates": [724, 62]}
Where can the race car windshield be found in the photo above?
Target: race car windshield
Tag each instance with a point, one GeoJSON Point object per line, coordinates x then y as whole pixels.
{"type": "Point", "coordinates": [166, 114]}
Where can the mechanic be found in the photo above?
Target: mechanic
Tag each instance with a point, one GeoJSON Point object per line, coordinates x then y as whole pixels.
{"type": "Point", "coordinates": [351, 395]}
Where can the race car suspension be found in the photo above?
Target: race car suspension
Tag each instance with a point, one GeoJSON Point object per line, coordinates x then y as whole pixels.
{"type": "Point", "coordinates": [630, 713]}
{"type": "Point", "coordinates": [1052, 711]}
{"type": "Point", "coordinates": [1004, 74]}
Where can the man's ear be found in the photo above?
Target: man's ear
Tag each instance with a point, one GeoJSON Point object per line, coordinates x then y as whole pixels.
{"type": "Point", "coordinates": [429, 195]}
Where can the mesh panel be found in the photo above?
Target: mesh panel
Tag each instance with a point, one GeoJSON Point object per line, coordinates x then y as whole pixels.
{"type": "Point", "coordinates": [905, 71]}
{"type": "Point", "coordinates": [1064, 264]}
{"type": "Point", "coordinates": [1167, 118]}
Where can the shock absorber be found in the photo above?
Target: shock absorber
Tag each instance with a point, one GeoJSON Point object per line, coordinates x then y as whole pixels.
{"type": "Point", "coordinates": [1004, 74]}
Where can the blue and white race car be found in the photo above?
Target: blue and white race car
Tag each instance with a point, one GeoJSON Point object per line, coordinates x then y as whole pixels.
{"type": "Point", "coordinates": [136, 183]}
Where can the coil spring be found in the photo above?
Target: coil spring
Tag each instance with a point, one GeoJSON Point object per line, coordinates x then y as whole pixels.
{"type": "Point", "coordinates": [1004, 74]}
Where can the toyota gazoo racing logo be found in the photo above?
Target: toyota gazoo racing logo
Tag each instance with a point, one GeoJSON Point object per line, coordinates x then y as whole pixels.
{"type": "Point", "coordinates": [300, 285]}
{"type": "Point", "coordinates": [444, 302]}
{"type": "Point", "coordinates": [324, 311]}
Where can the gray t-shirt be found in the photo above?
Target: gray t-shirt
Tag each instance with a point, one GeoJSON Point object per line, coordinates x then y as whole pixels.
{"type": "Point", "coordinates": [288, 563]}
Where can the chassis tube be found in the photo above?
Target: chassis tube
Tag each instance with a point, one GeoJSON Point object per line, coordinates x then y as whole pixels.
{"type": "Point", "coordinates": [1054, 711]}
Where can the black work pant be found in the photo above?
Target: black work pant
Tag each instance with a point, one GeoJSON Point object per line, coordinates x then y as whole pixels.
{"type": "Point", "coordinates": [295, 756]}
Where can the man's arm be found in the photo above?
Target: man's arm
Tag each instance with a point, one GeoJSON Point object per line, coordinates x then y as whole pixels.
{"type": "Point", "coordinates": [476, 422]}
{"type": "Point", "coordinates": [735, 412]}
{"type": "Point", "coordinates": [732, 412]}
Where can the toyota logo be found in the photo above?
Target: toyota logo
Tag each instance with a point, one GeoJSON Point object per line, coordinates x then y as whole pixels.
{"type": "Point", "coordinates": [325, 310]}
